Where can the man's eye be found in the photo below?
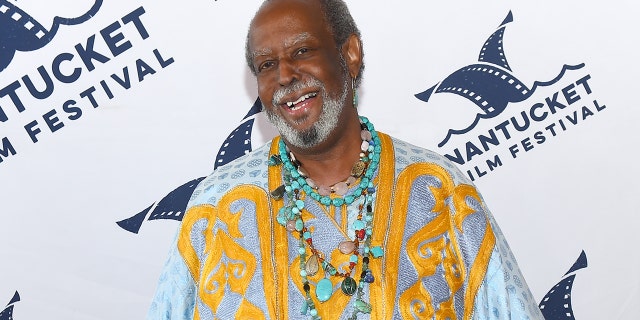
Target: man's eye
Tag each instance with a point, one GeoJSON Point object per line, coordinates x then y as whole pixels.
{"type": "Point", "coordinates": [265, 65]}
{"type": "Point", "coordinates": [302, 51]}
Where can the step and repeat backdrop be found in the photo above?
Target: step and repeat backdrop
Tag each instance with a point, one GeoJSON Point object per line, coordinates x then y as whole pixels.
{"type": "Point", "coordinates": [112, 111]}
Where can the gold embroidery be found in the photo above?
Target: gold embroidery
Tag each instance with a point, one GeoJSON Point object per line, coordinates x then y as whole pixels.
{"type": "Point", "coordinates": [216, 271]}
{"type": "Point", "coordinates": [248, 311]}
{"type": "Point", "coordinates": [226, 263]}
{"type": "Point", "coordinates": [277, 248]}
{"type": "Point", "coordinates": [185, 247]}
{"type": "Point", "coordinates": [402, 193]}
{"type": "Point", "coordinates": [418, 302]}
{"type": "Point", "coordinates": [382, 291]}
{"type": "Point", "coordinates": [479, 267]}
{"type": "Point", "coordinates": [435, 244]}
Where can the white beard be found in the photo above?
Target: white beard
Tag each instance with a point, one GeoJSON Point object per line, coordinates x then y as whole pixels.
{"type": "Point", "coordinates": [321, 129]}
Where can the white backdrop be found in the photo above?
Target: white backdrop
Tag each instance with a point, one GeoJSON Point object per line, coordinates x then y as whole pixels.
{"type": "Point", "coordinates": [64, 254]}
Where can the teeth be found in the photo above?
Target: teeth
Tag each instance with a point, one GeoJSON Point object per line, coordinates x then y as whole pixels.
{"type": "Point", "coordinates": [303, 98]}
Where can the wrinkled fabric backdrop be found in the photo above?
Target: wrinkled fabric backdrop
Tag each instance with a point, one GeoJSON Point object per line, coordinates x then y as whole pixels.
{"type": "Point", "coordinates": [111, 111]}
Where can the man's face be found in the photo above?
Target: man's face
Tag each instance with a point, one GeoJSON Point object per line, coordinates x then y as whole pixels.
{"type": "Point", "coordinates": [302, 78]}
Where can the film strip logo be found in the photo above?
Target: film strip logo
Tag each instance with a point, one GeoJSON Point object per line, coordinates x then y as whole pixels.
{"type": "Point", "coordinates": [23, 26]}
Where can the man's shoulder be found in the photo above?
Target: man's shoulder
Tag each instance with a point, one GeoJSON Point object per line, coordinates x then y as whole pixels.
{"type": "Point", "coordinates": [407, 154]}
{"type": "Point", "coordinates": [251, 168]}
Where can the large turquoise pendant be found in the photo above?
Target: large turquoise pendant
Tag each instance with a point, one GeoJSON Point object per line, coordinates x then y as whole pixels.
{"type": "Point", "coordinates": [324, 289]}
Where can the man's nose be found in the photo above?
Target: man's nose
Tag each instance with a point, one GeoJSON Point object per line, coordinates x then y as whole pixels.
{"type": "Point", "coordinates": [287, 72]}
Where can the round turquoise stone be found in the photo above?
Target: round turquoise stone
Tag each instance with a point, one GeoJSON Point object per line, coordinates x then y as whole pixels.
{"type": "Point", "coordinates": [377, 252]}
{"type": "Point", "coordinates": [348, 199]}
{"type": "Point", "coordinates": [324, 289]}
{"type": "Point", "coordinates": [358, 225]}
{"type": "Point", "coordinates": [349, 286]}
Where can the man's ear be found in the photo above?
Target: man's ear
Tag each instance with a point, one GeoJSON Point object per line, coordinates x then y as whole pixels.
{"type": "Point", "coordinates": [352, 53]}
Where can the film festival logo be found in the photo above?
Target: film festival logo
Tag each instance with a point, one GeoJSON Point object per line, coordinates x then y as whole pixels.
{"type": "Point", "coordinates": [511, 118]}
{"type": "Point", "coordinates": [31, 25]}
{"type": "Point", "coordinates": [519, 123]}
{"type": "Point", "coordinates": [27, 27]}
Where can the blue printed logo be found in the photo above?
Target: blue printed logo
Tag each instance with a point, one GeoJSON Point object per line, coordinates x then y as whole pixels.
{"type": "Point", "coordinates": [21, 30]}
{"type": "Point", "coordinates": [515, 117]}
{"type": "Point", "coordinates": [7, 313]}
{"type": "Point", "coordinates": [556, 304]}
{"type": "Point", "coordinates": [82, 92]}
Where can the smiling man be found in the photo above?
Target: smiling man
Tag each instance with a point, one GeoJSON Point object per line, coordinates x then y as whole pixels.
{"type": "Point", "coordinates": [337, 220]}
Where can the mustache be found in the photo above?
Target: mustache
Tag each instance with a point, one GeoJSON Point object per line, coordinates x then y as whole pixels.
{"type": "Point", "coordinates": [279, 94]}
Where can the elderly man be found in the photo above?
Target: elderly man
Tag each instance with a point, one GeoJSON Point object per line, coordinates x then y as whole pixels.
{"type": "Point", "coordinates": [333, 219]}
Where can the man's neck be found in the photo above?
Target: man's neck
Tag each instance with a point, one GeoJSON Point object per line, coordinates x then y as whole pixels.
{"type": "Point", "coordinates": [331, 161]}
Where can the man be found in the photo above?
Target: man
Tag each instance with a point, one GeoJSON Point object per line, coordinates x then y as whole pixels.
{"type": "Point", "coordinates": [332, 219]}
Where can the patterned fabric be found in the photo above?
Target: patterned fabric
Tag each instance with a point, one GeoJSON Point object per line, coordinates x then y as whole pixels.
{"type": "Point", "coordinates": [444, 256]}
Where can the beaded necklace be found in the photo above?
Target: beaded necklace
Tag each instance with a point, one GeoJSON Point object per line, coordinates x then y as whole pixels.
{"type": "Point", "coordinates": [296, 185]}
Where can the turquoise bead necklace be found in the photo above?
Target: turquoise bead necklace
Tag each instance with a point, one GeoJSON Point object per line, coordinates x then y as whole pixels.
{"type": "Point", "coordinates": [296, 184]}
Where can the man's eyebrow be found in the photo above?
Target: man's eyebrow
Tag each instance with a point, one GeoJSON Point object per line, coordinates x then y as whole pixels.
{"type": "Point", "coordinates": [261, 52]}
{"type": "Point", "coordinates": [297, 39]}
{"type": "Point", "coordinates": [288, 44]}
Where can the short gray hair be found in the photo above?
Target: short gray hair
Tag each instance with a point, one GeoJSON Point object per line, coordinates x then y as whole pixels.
{"type": "Point", "coordinates": [341, 25]}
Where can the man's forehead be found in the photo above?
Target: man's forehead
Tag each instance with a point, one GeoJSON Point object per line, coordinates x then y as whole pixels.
{"type": "Point", "coordinates": [275, 10]}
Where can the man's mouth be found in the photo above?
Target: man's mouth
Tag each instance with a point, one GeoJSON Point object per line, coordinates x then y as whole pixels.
{"type": "Point", "coordinates": [294, 105]}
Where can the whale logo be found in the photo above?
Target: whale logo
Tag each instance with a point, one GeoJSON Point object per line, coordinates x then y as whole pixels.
{"type": "Point", "coordinates": [7, 313]}
{"type": "Point", "coordinates": [556, 304]}
{"type": "Point", "coordinates": [490, 83]}
{"type": "Point", "coordinates": [30, 25]}
{"type": "Point", "coordinates": [172, 206]}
